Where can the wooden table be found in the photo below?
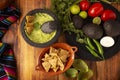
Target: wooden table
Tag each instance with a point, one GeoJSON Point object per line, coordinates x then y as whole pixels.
{"type": "Point", "coordinates": [27, 55]}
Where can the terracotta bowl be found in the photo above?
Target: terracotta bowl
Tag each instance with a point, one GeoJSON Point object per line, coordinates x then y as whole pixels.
{"type": "Point", "coordinates": [65, 46]}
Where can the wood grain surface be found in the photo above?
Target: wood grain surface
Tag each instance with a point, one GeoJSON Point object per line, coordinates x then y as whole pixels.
{"type": "Point", "coordinates": [27, 55]}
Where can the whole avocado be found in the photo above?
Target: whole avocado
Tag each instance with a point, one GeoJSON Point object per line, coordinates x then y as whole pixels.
{"type": "Point", "coordinates": [77, 21]}
{"type": "Point", "coordinates": [93, 30]}
{"type": "Point", "coordinates": [112, 28]}
{"type": "Point", "coordinates": [5, 3]}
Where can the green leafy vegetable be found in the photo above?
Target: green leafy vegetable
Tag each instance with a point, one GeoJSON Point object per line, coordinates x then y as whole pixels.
{"type": "Point", "coordinates": [62, 9]}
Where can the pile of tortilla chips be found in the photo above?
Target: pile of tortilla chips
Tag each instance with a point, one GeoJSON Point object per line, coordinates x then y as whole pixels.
{"type": "Point", "coordinates": [29, 24]}
{"type": "Point", "coordinates": [55, 59]}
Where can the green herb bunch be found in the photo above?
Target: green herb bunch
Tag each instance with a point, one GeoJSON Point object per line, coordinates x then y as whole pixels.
{"type": "Point", "coordinates": [61, 8]}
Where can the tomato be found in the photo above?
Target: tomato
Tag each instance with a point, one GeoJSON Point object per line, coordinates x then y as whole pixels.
{"type": "Point", "coordinates": [84, 5]}
{"type": "Point", "coordinates": [107, 15]}
{"type": "Point", "coordinates": [95, 9]}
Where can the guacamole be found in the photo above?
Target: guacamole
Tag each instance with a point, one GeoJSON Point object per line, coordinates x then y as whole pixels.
{"type": "Point", "coordinates": [37, 35]}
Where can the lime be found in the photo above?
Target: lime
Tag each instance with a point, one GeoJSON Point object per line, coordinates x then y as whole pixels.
{"type": "Point", "coordinates": [71, 73]}
{"type": "Point", "coordinates": [80, 65]}
{"type": "Point", "coordinates": [86, 75]}
{"type": "Point", "coordinates": [79, 75]}
{"type": "Point", "coordinates": [75, 9]}
{"type": "Point", "coordinates": [97, 20]}
{"type": "Point", "coordinates": [83, 14]}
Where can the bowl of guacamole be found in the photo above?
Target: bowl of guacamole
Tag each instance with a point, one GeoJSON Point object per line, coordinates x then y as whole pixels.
{"type": "Point", "coordinates": [31, 28]}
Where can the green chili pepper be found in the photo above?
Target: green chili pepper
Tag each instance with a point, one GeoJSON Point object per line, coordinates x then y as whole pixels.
{"type": "Point", "coordinates": [92, 52]}
{"type": "Point", "coordinates": [99, 47]}
{"type": "Point", "coordinates": [90, 44]}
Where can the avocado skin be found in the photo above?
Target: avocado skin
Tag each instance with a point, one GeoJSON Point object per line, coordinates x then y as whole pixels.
{"type": "Point", "coordinates": [93, 30]}
{"type": "Point", "coordinates": [112, 28]}
{"type": "Point", "coordinates": [77, 21]}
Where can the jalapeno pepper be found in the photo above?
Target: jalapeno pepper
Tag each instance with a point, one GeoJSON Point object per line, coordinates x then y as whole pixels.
{"type": "Point", "coordinates": [90, 44]}
{"type": "Point", "coordinates": [99, 47]}
{"type": "Point", "coordinates": [95, 51]}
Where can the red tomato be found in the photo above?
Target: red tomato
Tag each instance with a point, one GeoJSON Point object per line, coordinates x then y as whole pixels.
{"type": "Point", "coordinates": [84, 5]}
{"type": "Point", "coordinates": [107, 15]}
{"type": "Point", "coordinates": [95, 9]}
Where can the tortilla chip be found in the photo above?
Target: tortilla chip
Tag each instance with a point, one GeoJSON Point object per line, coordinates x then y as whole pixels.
{"type": "Point", "coordinates": [30, 18]}
{"type": "Point", "coordinates": [46, 65]}
{"type": "Point", "coordinates": [46, 57]}
{"type": "Point", "coordinates": [63, 54]}
{"type": "Point", "coordinates": [29, 24]}
{"type": "Point", "coordinates": [55, 69]}
{"type": "Point", "coordinates": [53, 54]}
{"type": "Point", "coordinates": [55, 59]}
{"type": "Point", "coordinates": [53, 62]}
{"type": "Point", "coordinates": [53, 50]}
{"type": "Point", "coordinates": [60, 63]}
{"type": "Point", "coordinates": [29, 29]}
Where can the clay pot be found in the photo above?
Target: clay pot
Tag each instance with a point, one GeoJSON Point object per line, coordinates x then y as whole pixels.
{"type": "Point", "coordinates": [71, 49]}
{"type": "Point", "coordinates": [5, 3]}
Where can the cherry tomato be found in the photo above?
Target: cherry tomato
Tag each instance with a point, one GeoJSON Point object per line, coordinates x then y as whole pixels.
{"type": "Point", "coordinates": [95, 9]}
{"type": "Point", "coordinates": [84, 5]}
{"type": "Point", "coordinates": [107, 15]}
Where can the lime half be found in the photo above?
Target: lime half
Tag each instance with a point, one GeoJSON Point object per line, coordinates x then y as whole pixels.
{"type": "Point", "coordinates": [96, 20]}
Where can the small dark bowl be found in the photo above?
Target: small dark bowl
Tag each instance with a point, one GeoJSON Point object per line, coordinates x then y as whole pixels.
{"type": "Point", "coordinates": [40, 44]}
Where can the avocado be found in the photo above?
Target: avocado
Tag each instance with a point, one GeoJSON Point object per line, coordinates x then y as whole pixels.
{"type": "Point", "coordinates": [77, 21]}
{"type": "Point", "coordinates": [112, 28]}
{"type": "Point", "coordinates": [93, 30]}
